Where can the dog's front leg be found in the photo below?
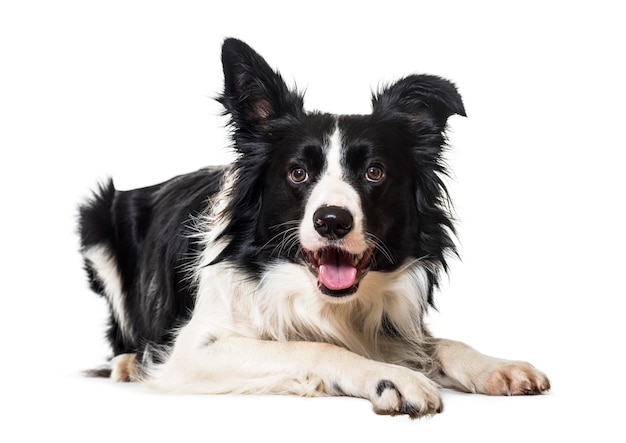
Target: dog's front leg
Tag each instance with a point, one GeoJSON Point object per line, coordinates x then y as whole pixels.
{"type": "Point", "coordinates": [235, 364]}
{"type": "Point", "coordinates": [466, 369]}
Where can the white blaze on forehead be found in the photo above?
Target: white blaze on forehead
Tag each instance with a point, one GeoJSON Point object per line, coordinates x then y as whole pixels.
{"type": "Point", "coordinates": [333, 156]}
{"type": "Point", "coordinates": [333, 190]}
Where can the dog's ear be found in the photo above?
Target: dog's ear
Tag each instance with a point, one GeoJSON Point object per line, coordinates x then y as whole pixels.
{"type": "Point", "coordinates": [421, 97]}
{"type": "Point", "coordinates": [253, 92]}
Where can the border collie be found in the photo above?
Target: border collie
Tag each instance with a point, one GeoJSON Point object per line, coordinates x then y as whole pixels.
{"type": "Point", "coordinates": [304, 267]}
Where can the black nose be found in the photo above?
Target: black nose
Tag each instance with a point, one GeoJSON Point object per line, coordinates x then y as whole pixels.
{"type": "Point", "coordinates": [332, 222]}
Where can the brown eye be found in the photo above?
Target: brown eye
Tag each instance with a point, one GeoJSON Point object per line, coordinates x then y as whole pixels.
{"type": "Point", "coordinates": [298, 175]}
{"type": "Point", "coordinates": [374, 173]}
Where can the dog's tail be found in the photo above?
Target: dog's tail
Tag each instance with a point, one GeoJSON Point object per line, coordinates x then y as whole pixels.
{"type": "Point", "coordinates": [95, 224]}
{"type": "Point", "coordinates": [102, 372]}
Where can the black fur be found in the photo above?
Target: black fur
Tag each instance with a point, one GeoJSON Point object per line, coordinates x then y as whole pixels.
{"type": "Point", "coordinates": [383, 385]}
{"type": "Point", "coordinates": [149, 231]}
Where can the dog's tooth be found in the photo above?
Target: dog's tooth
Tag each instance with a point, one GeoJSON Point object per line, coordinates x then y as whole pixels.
{"type": "Point", "coordinates": [316, 256]}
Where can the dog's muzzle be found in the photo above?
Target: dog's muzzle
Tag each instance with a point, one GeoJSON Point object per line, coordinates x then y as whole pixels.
{"type": "Point", "coordinates": [338, 271]}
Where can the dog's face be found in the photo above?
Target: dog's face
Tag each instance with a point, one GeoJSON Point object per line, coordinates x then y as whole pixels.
{"type": "Point", "coordinates": [342, 195]}
{"type": "Point", "coordinates": [340, 199]}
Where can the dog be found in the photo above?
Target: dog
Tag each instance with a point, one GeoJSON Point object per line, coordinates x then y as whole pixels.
{"type": "Point", "coordinates": [304, 267]}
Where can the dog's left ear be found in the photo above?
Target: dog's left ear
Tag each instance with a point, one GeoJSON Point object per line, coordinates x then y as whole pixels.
{"type": "Point", "coordinates": [421, 97]}
{"type": "Point", "coordinates": [253, 92]}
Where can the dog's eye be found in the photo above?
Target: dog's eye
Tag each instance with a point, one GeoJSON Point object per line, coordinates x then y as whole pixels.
{"type": "Point", "coordinates": [298, 175]}
{"type": "Point", "coordinates": [374, 173]}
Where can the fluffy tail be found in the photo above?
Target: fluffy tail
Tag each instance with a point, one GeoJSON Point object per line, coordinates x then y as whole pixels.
{"type": "Point", "coordinates": [103, 372]}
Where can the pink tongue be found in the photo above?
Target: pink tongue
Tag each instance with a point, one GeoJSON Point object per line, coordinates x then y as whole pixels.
{"type": "Point", "coordinates": [337, 277]}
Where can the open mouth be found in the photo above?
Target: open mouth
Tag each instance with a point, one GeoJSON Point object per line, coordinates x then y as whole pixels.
{"type": "Point", "coordinates": [338, 272]}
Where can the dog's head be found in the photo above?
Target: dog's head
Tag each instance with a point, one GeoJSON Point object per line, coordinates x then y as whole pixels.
{"type": "Point", "coordinates": [343, 195]}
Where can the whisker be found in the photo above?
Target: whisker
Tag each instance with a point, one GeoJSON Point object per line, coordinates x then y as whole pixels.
{"type": "Point", "coordinates": [287, 223]}
{"type": "Point", "coordinates": [283, 236]}
{"type": "Point", "coordinates": [286, 239]}
{"type": "Point", "coordinates": [290, 238]}
{"type": "Point", "coordinates": [293, 241]}
{"type": "Point", "coordinates": [380, 246]}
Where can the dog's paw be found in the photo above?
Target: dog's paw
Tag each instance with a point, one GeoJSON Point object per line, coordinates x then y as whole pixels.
{"type": "Point", "coordinates": [514, 378]}
{"type": "Point", "coordinates": [124, 368]}
{"type": "Point", "coordinates": [406, 392]}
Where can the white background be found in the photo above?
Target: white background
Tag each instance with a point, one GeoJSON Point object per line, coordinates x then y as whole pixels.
{"type": "Point", "coordinates": [124, 89]}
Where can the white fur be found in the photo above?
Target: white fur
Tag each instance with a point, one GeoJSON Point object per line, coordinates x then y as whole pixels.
{"type": "Point", "coordinates": [211, 224]}
{"type": "Point", "coordinates": [285, 306]}
{"type": "Point", "coordinates": [280, 336]}
{"type": "Point", "coordinates": [333, 190]}
{"type": "Point", "coordinates": [103, 262]}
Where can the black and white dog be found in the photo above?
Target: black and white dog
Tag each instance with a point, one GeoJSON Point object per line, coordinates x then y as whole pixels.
{"type": "Point", "coordinates": [306, 266]}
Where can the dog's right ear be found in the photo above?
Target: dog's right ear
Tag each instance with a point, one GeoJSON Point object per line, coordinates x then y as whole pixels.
{"type": "Point", "coordinates": [254, 93]}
